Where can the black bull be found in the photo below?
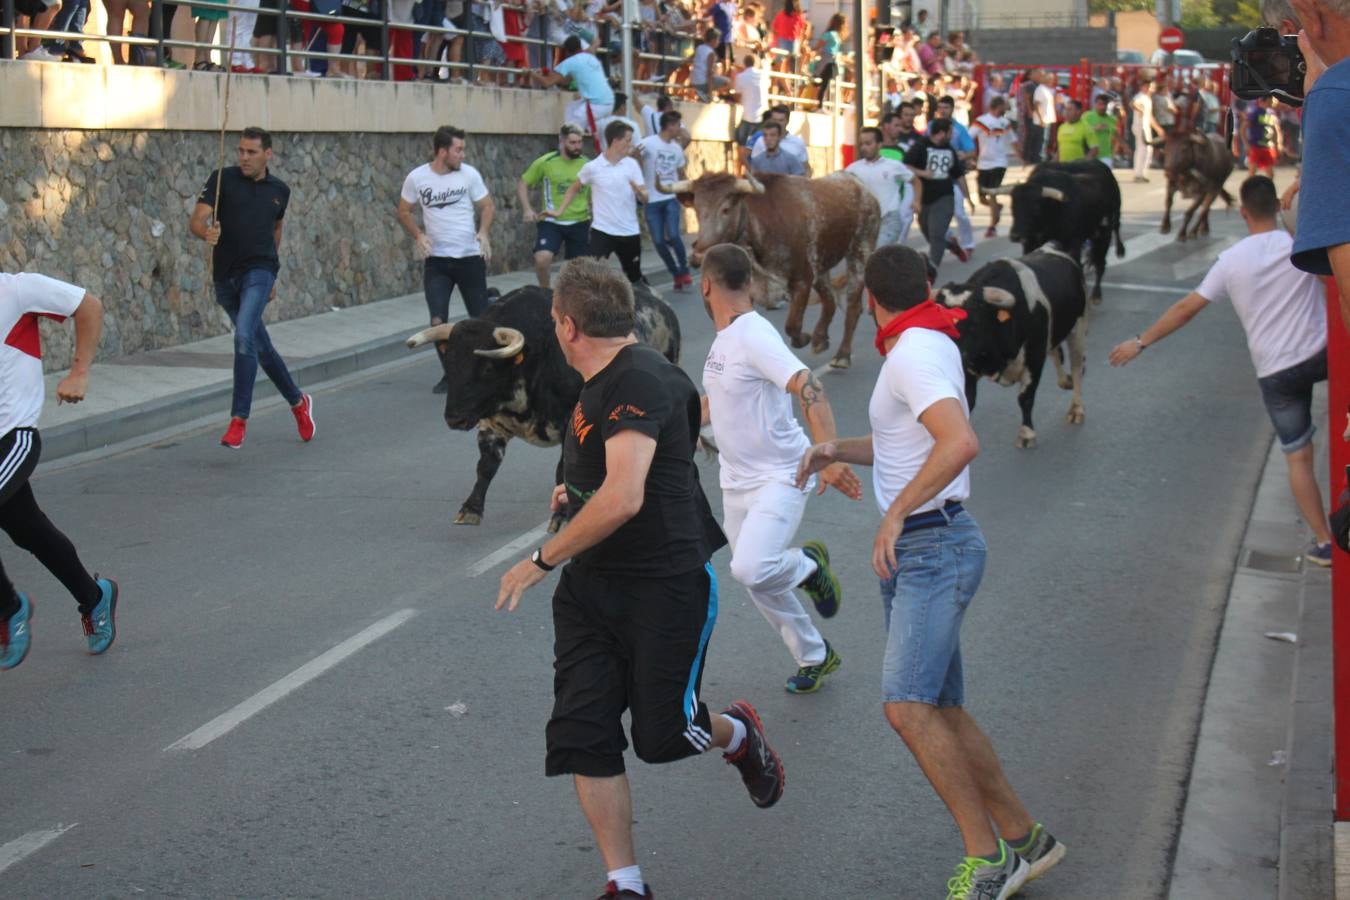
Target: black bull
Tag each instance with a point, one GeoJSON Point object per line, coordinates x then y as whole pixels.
{"type": "Point", "coordinates": [508, 377]}
{"type": "Point", "coordinates": [1069, 204]}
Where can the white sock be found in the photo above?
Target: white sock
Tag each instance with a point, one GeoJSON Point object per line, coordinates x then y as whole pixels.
{"type": "Point", "coordinates": [629, 878]}
{"type": "Point", "coordinates": [737, 734]}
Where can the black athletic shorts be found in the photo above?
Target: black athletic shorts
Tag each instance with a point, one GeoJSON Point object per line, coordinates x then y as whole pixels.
{"type": "Point", "coordinates": [988, 179]}
{"type": "Point", "coordinates": [627, 247]}
{"type": "Point", "coordinates": [19, 453]}
{"type": "Point", "coordinates": [623, 643]}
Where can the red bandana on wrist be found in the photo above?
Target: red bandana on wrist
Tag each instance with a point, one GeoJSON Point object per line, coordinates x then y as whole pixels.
{"type": "Point", "coordinates": [928, 314]}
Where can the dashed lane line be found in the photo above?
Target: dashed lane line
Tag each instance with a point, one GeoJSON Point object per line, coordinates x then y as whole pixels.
{"type": "Point", "coordinates": [227, 721]}
{"type": "Point", "coordinates": [508, 550]}
{"type": "Point", "coordinates": [26, 845]}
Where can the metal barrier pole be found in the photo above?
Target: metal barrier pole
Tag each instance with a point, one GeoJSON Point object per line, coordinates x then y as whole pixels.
{"type": "Point", "coordinates": [9, 43]}
{"type": "Point", "coordinates": [469, 48]}
{"type": "Point", "coordinates": [859, 69]}
{"type": "Point", "coordinates": [626, 48]}
{"type": "Point", "coordinates": [157, 29]}
{"type": "Point", "coordinates": [283, 37]}
{"type": "Point", "coordinates": [386, 70]}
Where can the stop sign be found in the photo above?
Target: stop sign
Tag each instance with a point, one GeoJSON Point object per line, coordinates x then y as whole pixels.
{"type": "Point", "coordinates": [1171, 39]}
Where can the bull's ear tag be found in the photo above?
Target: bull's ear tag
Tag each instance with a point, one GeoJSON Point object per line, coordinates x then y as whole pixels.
{"type": "Point", "coordinates": [1003, 315]}
{"type": "Point", "coordinates": [520, 358]}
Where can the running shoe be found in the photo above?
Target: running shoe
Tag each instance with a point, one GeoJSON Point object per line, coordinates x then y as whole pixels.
{"type": "Point", "coordinates": [955, 246]}
{"type": "Point", "coordinates": [42, 54]}
{"type": "Point", "coordinates": [980, 879]}
{"type": "Point", "coordinates": [304, 417]}
{"type": "Point", "coordinates": [14, 634]}
{"type": "Point", "coordinates": [808, 678]}
{"type": "Point", "coordinates": [100, 623]}
{"type": "Point", "coordinates": [821, 586]}
{"type": "Point", "coordinates": [1319, 554]}
{"type": "Point", "coordinates": [612, 890]}
{"type": "Point", "coordinates": [759, 765]}
{"type": "Point", "coordinates": [1041, 851]}
{"type": "Point", "coordinates": [442, 386]}
{"type": "Point", "coordinates": [234, 435]}
{"type": "Point", "coordinates": [991, 232]}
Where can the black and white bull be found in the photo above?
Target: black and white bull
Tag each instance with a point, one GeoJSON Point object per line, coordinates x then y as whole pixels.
{"type": "Point", "coordinates": [508, 377]}
{"type": "Point", "coordinates": [1070, 204]}
{"type": "Point", "coordinates": [1018, 312]}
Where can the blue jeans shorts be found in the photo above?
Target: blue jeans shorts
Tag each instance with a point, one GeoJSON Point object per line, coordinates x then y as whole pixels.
{"type": "Point", "coordinates": [937, 572]}
{"type": "Point", "coordinates": [1288, 398]}
{"type": "Point", "coordinates": [552, 235]}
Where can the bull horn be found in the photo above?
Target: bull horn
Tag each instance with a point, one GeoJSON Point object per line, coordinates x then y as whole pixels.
{"type": "Point", "coordinates": [1003, 190]}
{"type": "Point", "coordinates": [1050, 193]}
{"type": "Point", "coordinates": [434, 334]}
{"type": "Point", "coordinates": [749, 185]}
{"type": "Point", "coordinates": [675, 187]}
{"type": "Point", "coordinates": [999, 297]}
{"type": "Point", "coordinates": [511, 340]}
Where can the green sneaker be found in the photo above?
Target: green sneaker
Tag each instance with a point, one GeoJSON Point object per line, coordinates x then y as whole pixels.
{"type": "Point", "coordinates": [173, 64]}
{"type": "Point", "coordinates": [808, 678]}
{"type": "Point", "coordinates": [822, 587]}
{"type": "Point", "coordinates": [977, 878]}
{"type": "Point", "coordinates": [1041, 851]}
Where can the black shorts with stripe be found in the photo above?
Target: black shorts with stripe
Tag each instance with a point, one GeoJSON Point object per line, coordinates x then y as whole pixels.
{"type": "Point", "coordinates": [988, 179]}
{"type": "Point", "coordinates": [636, 644]}
{"type": "Point", "coordinates": [19, 452]}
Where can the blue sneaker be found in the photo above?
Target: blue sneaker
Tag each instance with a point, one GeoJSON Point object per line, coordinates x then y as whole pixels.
{"type": "Point", "coordinates": [14, 634]}
{"type": "Point", "coordinates": [1319, 554]}
{"type": "Point", "coordinates": [100, 625]}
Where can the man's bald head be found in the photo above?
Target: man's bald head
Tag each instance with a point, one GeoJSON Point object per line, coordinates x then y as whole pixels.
{"type": "Point", "coordinates": [729, 267]}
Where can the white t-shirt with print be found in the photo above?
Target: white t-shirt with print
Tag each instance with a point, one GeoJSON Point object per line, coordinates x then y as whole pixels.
{"type": "Point", "coordinates": [613, 201]}
{"type": "Point", "coordinates": [884, 179]}
{"type": "Point", "coordinates": [447, 207]}
{"type": "Point", "coordinates": [660, 159]}
{"type": "Point", "coordinates": [24, 298]}
{"type": "Point", "coordinates": [993, 138]}
{"type": "Point", "coordinates": [922, 368]}
{"type": "Point", "coordinates": [1282, 309]}
{"type": "Point", "coordinates": [746, 376]}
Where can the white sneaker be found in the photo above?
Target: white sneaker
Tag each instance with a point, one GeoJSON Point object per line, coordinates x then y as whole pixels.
{"type": "Point", "coordinates": [42, 54]}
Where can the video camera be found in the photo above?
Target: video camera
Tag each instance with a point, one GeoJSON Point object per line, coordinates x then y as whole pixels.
{"type": "Point", "coordinates": [1268, 64]}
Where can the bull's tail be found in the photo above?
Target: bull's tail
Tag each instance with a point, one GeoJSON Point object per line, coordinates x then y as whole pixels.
{"type": "Point", "coordinates": [1227, 197]}
{"type": "Point", "coordinates": [1120, 245]}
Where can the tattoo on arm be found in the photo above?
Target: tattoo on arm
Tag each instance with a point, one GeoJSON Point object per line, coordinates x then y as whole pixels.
{"type": "Point", "coordinates": [811, 393]}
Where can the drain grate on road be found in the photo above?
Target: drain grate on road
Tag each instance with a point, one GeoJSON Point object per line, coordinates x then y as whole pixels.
{"type": "Point", "coordinates": [1272, 562]}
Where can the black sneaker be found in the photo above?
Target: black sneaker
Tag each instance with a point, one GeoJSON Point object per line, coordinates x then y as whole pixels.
{"type": "Point", "coordinates": [808, 678]}
{"type": "Point", "coordinates": [760, 767]}
{"type": "Point", "coordinates": [822, 587]}
{"type": "Point", "coordinates": [612, 890]}
{"type": "Point", "coordinates": [442, 386]}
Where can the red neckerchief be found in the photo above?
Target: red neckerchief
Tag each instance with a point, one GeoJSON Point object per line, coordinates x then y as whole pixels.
{"type": "Point", "coordinates": [928, 314]}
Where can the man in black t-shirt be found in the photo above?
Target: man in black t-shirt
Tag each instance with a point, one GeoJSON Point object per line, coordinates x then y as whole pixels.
{"type": "Point", "coordinates": [245, 232]}
{"type": "Point", "coordinates": [932, 158]}
{"type": "Point", "coordinates": [635, 607]}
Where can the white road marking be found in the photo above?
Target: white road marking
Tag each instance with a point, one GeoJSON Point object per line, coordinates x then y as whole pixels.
{"type": "Point", "coordinates": [1141, 245]}
{"type": "Point", "coordinates": [22, 847]}
{"type": "Point", "coordinates": [509, 550]}
{"type": "Point", "coordinates": [1177, 292]}
{"type": "Point", "coordinates": [226, 722]}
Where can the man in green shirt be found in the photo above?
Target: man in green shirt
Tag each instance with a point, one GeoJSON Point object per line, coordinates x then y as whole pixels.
{"type": "Point", "coordinates": [1103, 127]}
{"type": "Point", "coordinates": [1075, 138]}
{"type": "Point", "coordinates": [556, 171]}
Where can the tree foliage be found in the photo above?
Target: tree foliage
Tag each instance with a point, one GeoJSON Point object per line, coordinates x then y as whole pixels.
{"type": "Point", "coordinates": [1194, 13]}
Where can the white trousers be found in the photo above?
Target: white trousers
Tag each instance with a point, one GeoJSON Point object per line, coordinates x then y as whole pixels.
{"type": "Point", "coordinates": [759, 524]}
{"type": "Point", "coordinates": [243, 34]}
{"type": "Point", "coordinates": [890, 229]}
{"type": "Point", "coordinates": [1143, 153]}
{"type": "Point", "coordinates": [576, 113]}
{"type": "Point", "coordinates": [964, 231]}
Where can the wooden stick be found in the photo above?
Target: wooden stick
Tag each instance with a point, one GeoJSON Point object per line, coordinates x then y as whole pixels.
{"type": "Point", "coordinates": [220, 150]}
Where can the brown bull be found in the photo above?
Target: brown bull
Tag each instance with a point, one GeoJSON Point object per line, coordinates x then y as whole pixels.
{"type": "Point", "coordinates": [796, 229]}
{"type": "Point", "coordinates": [1197, 165]}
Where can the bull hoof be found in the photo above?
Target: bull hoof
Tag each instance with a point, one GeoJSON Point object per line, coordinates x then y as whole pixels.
{"type": "Point", "coordinates": [1026, 439]}
{"type": "Point", "coordinates": [1096, 299]}
{"type": "Point", "coordinates": [1075, 415]}
{"type": "Point", "coordinates": [555, 523]}
{"type": "Point", "coordinates": [468, 517]}
{"type": "Point", "coordinates": [841, 362]}
{"type": "Point", "coordinates": [772, 304]}
{"type": "Point", "coordinates": [1166, 228]}
{"type": "Point", "coordinates": [1181, 237]}
{"type": "Point", "coordinates": [798, 340]}
{"type": "Point", "coordinates": [1066, 382]}
{"type": "Point", "coordinates": [820, 346]}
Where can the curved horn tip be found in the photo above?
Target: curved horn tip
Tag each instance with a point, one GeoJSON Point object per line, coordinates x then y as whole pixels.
{"type": "Point", "coordinates": [675, 187]}
{"type": "Point", "coordinates": [511, 342]}
{"type": "Point", "coordinates": [1050, 193]}
{"type": "Point", "coordinates": [430, 335]}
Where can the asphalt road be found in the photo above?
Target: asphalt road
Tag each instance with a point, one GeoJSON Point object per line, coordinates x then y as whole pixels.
{"type": "Point", "coordinates": [413, 766]}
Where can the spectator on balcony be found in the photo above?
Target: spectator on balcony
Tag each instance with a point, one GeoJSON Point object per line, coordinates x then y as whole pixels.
{"type": "Point", "coordinates": [921, 26]}
{"type": "Point", "coordinates": [775, 159]}
{"type": "Point", "coordinates": [788, 28]}
{"type": "Point", "coordinates": [369, 36]}
{"type": "Point", "coordinates": [964, 55]}
{"type": "Point", "coordinates": [931, 53]}
{"type": "Point", "coordinates": [583, 68]}
{"type": "Point", "coordinates": [705, 74]}
{"type": "Point", "coordinates": [117, 14]}
{"type": "Point", "coordinates": [265, 34]}
{"type": "Point", "coordinates": [38, 15]}
{"type": "Point", "coordinates": [746, 36]}
{"type": "Point", "coordinates": [71, 17]}
{"type": "Point", "coordinates": [722, 13]}
{"type": "Point", "coordinates": [207, 15]}
{"type": "Point", "coordinates": [320, 36]}
{"type": "Point", "coordinates": [828, 47]}
{"type": "Point", "coordinates": [242, 23]}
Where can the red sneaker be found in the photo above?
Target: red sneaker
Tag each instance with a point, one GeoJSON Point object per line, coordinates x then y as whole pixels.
{"type": "Point", "coordinates": [234, 435]}
{"type": "Point", "coordinates": [955, 246]}
{"type": "Point", "coordinates": [304, 418]}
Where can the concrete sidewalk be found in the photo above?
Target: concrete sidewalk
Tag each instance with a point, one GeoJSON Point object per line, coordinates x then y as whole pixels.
{"type": "Point", "coordinates": [131, 397]}
{"type": "Point", "coordinates": [1258, 815]}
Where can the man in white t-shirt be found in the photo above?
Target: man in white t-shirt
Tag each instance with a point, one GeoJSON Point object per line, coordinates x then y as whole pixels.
{"type": "Point", "coordinates": [994, 137]}
{"type": "Point", "coordinates": [1283, 312]}
{"type": "Point", "coordinates": [1043, 114]}
{"type": "Point", "coordinates": [750, 376]}
{"type": "Point", "coordinates": [929, 554]}
{"type": "Point", "coordinates": [584, 70]}
{"type": "Point", "coordinates": [663, 162]}
{"type": "Point", "coordinates": [449, 192]}
{"type": "Point", "coordinates": [890, 181]}
{"type": "Point", "coordinates": [616, 184]}
{"type": "Point", "coordinates": [751, 85]}
{"type": "Point", "coordinates": [1144, 129]}
{"type": "Point", "coordinates": [24, 298]}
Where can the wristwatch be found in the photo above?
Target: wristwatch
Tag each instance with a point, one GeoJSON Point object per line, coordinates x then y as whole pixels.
{"type": "Point", "coordinates": [537, 557]}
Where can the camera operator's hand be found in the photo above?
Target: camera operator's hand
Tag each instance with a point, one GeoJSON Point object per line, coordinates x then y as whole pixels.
{"type": "Point", "coordinates": [1314, 63]}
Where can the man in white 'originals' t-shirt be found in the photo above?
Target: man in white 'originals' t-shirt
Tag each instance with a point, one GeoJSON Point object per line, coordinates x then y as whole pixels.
{"type": "Point", "coordinates": [749, 376]}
